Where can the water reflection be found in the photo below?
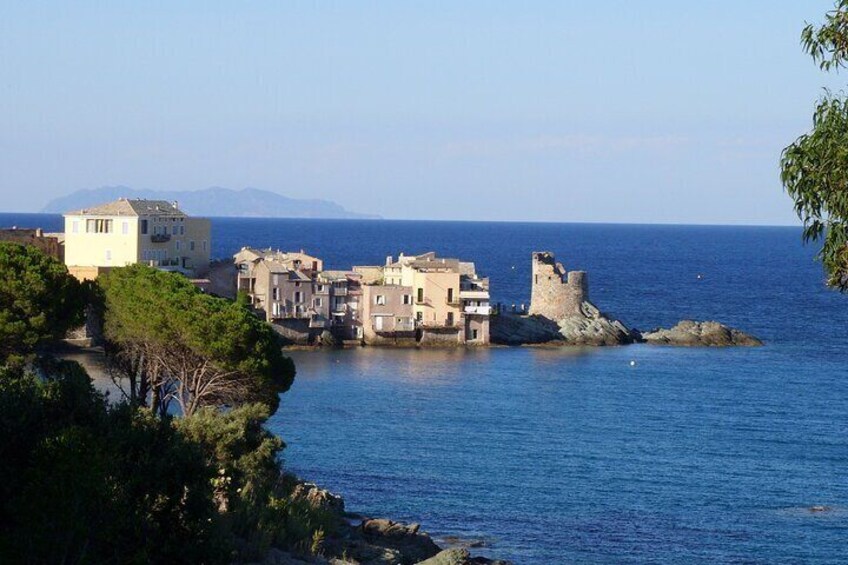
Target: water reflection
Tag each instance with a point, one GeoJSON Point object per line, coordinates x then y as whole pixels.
{"type": "Point", "coordinates": [413, 366]}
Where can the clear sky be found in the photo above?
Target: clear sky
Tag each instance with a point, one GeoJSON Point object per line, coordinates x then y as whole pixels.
{"type": "Point", "coordinates": [617, 111]}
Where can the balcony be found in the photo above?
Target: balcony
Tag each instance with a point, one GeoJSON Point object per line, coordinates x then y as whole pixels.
{"type": "Point", "coordinates": [481, 310]}
{"type": "Point", "coordinates": [292, 313]}
{"type": "Point", "coordinates": [474, 294]}
{"type": "Point", "coordinates": [160, 238]}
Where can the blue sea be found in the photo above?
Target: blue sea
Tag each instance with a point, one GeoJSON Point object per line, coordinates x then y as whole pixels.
{"type": "Point", "coordinates": [567, 455]}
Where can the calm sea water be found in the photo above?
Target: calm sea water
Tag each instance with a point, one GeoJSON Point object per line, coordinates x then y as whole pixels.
{"type": "Point", "coordinates": [572, 455]}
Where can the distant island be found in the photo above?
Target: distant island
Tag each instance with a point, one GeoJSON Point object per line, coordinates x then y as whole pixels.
{"type": "Point", "coordinates": [214, 202]}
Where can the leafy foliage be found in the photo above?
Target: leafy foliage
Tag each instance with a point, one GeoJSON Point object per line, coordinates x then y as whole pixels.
{"type": "Point", "coordinates": [83, 482]}
{"type": "Point", "coordinates": [827, 44]}
{"type": "Point", "coordinates": [814, 169]}
{"type": "Point", "coordinates": [178, 343]}
{"type": "Point", "coordinates": [39, 300]}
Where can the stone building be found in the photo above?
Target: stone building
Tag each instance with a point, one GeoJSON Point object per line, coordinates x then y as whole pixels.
{"type": "Point", "coordinates": [387, 314]}
{"type": "Point", "coordinates": [555, 293]}
{"type": "Point", "coordinates": [52, 244]}
{"type": "Point", "coordinates": [450, 302]}
{"type": "Point", "coordinates": [338, 302]}
{"type": "Point", "coordinates": [302, 300]}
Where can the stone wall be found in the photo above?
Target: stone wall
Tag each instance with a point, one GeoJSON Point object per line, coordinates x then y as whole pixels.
{"type": "Point", "coordinates": [555, 293]}
{"type": "Point", "coordinates": [440, 337]}
{"type": "Point", "coordinates": [48, 243]}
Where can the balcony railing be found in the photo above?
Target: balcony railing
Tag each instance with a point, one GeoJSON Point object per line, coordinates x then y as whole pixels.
{"type": "Point", "coordinates": [292, 313]}
{"type": "Point", "coordinates": [482, 310]}
{"type": "Point", "coordinates": [437, 324]}
{"type": "Point", "coordinates": [160, 237]}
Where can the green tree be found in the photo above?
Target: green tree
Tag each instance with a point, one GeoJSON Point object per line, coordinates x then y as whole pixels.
{"type": "Point", "coordinates": [39, 300]}
{"type": "Point", "coordinates": [85, 482]}
{"type": "Point", "coordinates": [180, 344]}
{"type": "Point", "coordinates": [814, 169]}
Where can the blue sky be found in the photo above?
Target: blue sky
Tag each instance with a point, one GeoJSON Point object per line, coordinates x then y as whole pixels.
{"type": "Point", "coordinates": [650, 111]}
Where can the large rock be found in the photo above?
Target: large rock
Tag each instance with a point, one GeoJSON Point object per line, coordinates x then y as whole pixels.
{"type": "Point", "coordinates": [589, 327]}
{"type": "Point", "coordinates": [693, 334]}
{"type": "Point", "coordinates": [318, 498]}
{"type": "Point", "coordinates": [407, 539]}
{"type": "Point", "coordinates": [460, 556]}
{"type": "Point", "coordinates": [593, 328]}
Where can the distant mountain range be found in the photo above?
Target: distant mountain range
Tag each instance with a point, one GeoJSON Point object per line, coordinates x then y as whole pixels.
{"type": "Point", "coordinates": [215, 201]}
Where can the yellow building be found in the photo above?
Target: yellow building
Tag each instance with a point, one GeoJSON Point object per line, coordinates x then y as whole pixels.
{"type": "Point", "coordinates": [124, 232]}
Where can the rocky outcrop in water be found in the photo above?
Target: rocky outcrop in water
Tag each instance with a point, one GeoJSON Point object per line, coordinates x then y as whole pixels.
{"type": "Point", "coordinates": [588, 327]}
{"type": "Point", "coordinates": [705, 334]}
{"type": "Point", "coordinates": [357, 540]}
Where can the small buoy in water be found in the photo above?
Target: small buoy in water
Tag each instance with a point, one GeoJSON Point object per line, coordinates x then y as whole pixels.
{"type": "Point", "coordinates": [700, 277]}
{"type": "Point", "coordinates": [633, 363]}
{"type": "Point", "coordinates": [513, 267]}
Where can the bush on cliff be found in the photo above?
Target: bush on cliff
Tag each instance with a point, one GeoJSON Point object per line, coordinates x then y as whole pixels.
{"type": "Point", "coordinates": [39, 301]}
{"type": "Point", "coordinates": [83, 480]}
{"type": "Point", "coordinates": [177, 343]}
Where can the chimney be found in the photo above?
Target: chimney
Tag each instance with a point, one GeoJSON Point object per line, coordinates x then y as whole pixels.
{"type": "Point", "coordinates": [388, 260]}
{"type": "Point", "coordinates": [176, 205]}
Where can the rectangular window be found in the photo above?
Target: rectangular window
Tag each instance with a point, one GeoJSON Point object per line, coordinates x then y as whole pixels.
{"type": "Point", "coordinates": [419, 316]}
{"type": "Point", "coordinates": [420, 295]}
{"type": "Point", "coordinates": [407, 299]}
{"type": "Point", "coordinates": [204, 245]}
{"type": "Point", "coordinates": [182, 230]}
{"type": "Point", "coordinates": [298, 297]}
{"type": "Point", "coordinates": [380, 299]}
{"type": "Point", "coordinates": [450, 295]}
{"type": "Point", "coordinates": [143, 227]}
{"type": "Point", "coordinates": [75, 226]}
{"type": "Point", "coordinates": [275, 293]}
{"type": "Point", "coordinates": [125, 228]}
{"type": "Point", "coordinates": [98, 226]}
{"type": "Point", "coordinates": [191, 245]}
{"type": "Point", "coordinates": [450, 319]}
{"type": "Point", "coordinates": [177, 244]}
{"type": "Point", "coordinates": [317, 302]}
{"type": "Point", "coordinates": [175, 230]}
{"type": "Point", "coordinates": [320, 288]}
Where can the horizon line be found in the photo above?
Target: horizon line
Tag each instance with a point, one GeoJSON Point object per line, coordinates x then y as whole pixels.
{"type": "Point", "coordinates": [582, 222]}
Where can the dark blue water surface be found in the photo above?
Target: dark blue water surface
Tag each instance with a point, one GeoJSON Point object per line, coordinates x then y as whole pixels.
{"type": "Point", "coordinates": [574, 455]}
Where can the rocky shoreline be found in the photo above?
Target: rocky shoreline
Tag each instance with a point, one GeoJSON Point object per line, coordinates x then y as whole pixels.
{"type": "Point", "coordinates": [359, 540]}
{"type": "Point", "coordinates": [596, 329]}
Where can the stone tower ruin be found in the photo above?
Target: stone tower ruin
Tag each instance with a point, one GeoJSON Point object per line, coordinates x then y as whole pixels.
{"type": "Point", "coordinates": [555, 293]}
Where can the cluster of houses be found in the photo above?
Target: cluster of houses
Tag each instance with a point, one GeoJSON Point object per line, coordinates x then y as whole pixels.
{"type": "Point", "coordinates": [411, 299]}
